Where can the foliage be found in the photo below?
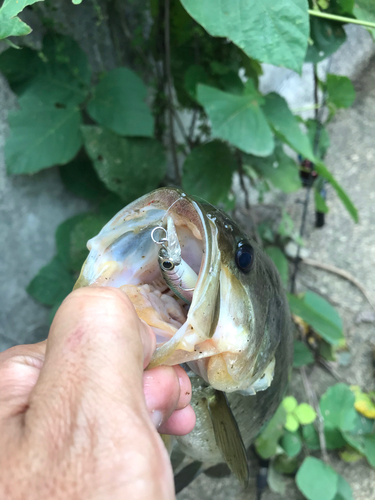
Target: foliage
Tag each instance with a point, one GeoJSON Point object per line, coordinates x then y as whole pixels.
{"type": "Point", "coordinates": [288, 442]}
{"type": "Point", "coordinates": [111, 133]}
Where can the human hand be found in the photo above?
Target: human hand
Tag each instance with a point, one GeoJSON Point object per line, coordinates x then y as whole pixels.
{"type": "Point", "coordinates": [78, 415]}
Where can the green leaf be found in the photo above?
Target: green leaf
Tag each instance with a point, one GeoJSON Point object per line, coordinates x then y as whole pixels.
{"type": "Point", "coordinates": [322, 170]}
{"type": "Point", "coordinates": [11, 25]}
{"type": "Point", "coordinates": [311, 437]}
{"type": "Point", "coordinates": [266, 443]}
{"type": "Point", "coordinates": [337, 407]}
{"type": "Point", "coordinates": [327, 37]}
{"type": "Point", "coordinates": [19, 66]}
{"type": "Point", "coordinates": [237, 119]}
{"type": "Point", "coordinates": [76, 2]}
{"type": "Point", "coordinates": [279, 168]}
{"type": "Point", "coordinates": [291, 423]}
{"type": "Point", "coordinates": [364, 443]}
{"type": "Point", "coordinates": [316, 480]}
{"type": "Point", "coordinates": [344, 491]}
{"type": "Point", "coordinates": [284, 464]}
{"type": "Point", "coordinates": [323, 141]}
{"type": "Point", "coordinates": [72, 237]}
{"type": "Point", "coordinates": [289, 403]}
{"type": "Point", "coordinates": [341, 93]}
{"type": "Point", "coordinates": [272, 32]}
{"type": "Point", "coordinates": [320, 204]}
{"type": "Point", "coordinates": [41, 136]}
{"type": "Point", "coordinates": [334, 438]}
{"type": "Point", "coordinates": [128, 167]}
{"type": "Point", "coordinates": [119, 104]}
{"type": "Point", "coordinates": [80, 178]}
{"type": "Point", "coordinates": [305, 414]}
{"type": "Point", "coordinates": [285, 125]}
{"type": "Point", "coordinates": [52, 284]}
{"type": "Point", "coordinates": [350, 455]}
{"type": "Point", "coordinates": [302, 355]}
{"type": "Point", "coordinates": [365, 10]}
{"type": "Point", "coordinates": [280, 262]}
{"type": "Point", "coordinates": [64, 76]}
{"type": "Point", "coordinates": [292, 444]}
{"type": "Point", "coordinates": [318, 313]}
{"type": "Point", "coordinates": [208, 170]}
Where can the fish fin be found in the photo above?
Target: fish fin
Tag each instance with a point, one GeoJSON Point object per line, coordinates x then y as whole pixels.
{"type": "Point", "coordinates": [228, 437]}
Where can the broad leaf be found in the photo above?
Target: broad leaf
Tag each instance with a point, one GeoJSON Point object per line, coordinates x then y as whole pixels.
{"type": "Point", "coordinates": [291, 423]}
{"type": "Point", "coordinates": [72, 236]}
{"type": "Point", "coordinates": [266, 443]}
{"type": "Point", "coordinates": [80, 178]}
{"type": "Point", "coordinates": [280, 262]}
{"type": "Point", "coordinates": [344, 491]}
{"type": "Point", "coordinates": [337, 407]}
{"type": "Point", "coordinates": [237, 119]}
{"type": "Point", "coordinates": [207, 171]}
{"type": "Point", "coordinates": [305, 414]}
{"type": "Point", "coordinates": [316, 480]}
{"type": "Point", "coordinates": [289, 404]}
{"type": "Point", "coordinates": [279, 168]}
{"type": "Point", "coordinates": [322, 170]}
{"type": "Point", "coordinates": [319, 140]}
{"type": "Point", "coordinates": [272, 32]}
{"type": "Point", "coordinates": [365, 10]}
{"type": "Point", "coordinates": [19, 66]}
{"type": "Point", "coordinates": [41, 136]}
{"type": "Point", "coordinates": [52, 284]}
{"type": "Point", "coordinates": [119, 103]}
{"type": "Point", "coordinates": [311, 437]}
{"type": "Point", "coordinates": [318, 313]}
{"type": "Point", "coordinates": [64, 76]}
{"type": "Point", "coordinates": [341, 93]}
{"type": "Point", "coordinates": [291, 442]}
{"type": "Point", "coordinates": [129, 167]}
{"type": "Point", "coordinates": [302, 355]}
{"type": "Point", "coordinates": [327, 37]}
{"type": "Point", "coordinates": [11, 25]}
{"type": "Point", "coordinates": [285, 125]}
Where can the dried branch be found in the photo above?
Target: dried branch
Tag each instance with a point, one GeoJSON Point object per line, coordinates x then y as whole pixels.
{"type": "Point", "coordinates": [343, 274]}
{"type": "Point", "coordinates": [313, 401]}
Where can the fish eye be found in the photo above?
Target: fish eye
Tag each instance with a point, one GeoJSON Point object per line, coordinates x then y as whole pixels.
{"type": "Point", "coordinates": [167, 265]}
{"type": "Point", "coordinates": [245, 257]}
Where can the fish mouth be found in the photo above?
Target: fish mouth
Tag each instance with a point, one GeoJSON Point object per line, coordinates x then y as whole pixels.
{"type": "Point", "coordinates": [125, 255]}
{"type": "Point", "coordinates": [216, 344]}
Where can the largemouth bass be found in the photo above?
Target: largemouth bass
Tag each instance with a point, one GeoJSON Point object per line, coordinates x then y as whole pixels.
{"type": "Point", "coordinates": [216, 305]}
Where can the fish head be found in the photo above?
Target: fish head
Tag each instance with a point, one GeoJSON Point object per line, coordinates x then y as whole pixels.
{"type": "Point", "coordinates": [229, 333]}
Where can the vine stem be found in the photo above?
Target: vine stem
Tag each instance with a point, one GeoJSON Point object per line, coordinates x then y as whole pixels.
{"type": "Point", "coordinates": [313, 401]}
{"type": "Point", "coordinates": [167, 43]}
{"type": "Point", "coordinates": [341, 19]}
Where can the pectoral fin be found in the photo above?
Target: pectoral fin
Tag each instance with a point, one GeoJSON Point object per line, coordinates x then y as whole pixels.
{"type": "Point", "coordinates": [228, 437]}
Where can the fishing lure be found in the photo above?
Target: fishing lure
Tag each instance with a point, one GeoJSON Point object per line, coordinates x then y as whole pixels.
{"type": "Point", "coordinates": [177, 273]}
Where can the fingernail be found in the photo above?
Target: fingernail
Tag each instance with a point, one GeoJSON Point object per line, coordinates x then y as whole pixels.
{"type": "Point", "coordinates": [156, 418]}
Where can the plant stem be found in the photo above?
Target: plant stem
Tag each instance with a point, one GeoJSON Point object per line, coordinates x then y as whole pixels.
{"type": "Point", "coordinates": [169, 89]}
{"type": "Point", "coordinates": [341, 19]}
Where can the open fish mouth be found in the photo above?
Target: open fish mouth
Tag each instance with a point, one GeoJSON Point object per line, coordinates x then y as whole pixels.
{"type": "Point", "coordinates": [194, 325]}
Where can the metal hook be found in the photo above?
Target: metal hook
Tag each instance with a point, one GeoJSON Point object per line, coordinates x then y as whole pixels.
{"type": "Point", "coordinates": [163, 240]}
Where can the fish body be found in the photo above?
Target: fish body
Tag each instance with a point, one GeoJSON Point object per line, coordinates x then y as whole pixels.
{"type": "Point", "coordinates": [235, 335]}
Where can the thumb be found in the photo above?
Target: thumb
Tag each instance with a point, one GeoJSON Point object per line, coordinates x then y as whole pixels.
{"type": "Point", "coordinates": [95, 334]}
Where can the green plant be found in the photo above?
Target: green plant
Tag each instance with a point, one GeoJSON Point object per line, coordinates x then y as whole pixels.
{"type": "Point", "coordinates": [187, 88]}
